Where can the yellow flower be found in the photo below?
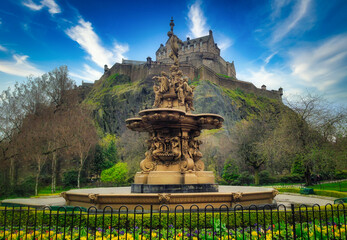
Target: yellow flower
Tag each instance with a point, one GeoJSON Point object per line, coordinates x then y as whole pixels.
{"type": "Point", "coordinates": [254, 233]}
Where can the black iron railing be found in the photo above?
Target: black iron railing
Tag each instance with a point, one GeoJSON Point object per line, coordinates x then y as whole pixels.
{"type": "Point", "coordinates": [178, 222]}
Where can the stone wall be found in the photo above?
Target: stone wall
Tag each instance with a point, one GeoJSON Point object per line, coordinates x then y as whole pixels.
{"type": "Point", "coordinates": [206, 73]}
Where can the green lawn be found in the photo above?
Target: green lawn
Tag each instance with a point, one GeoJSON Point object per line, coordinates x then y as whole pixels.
{"type": "Point", "coordinates": [338, 186]}
{"type": "Point", "coordinates": [46, 191]}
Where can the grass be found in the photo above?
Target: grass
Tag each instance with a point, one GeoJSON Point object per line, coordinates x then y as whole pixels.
{"type": "Point", "coordinates": [318, 192]}
{"type": "Point", "coordinates": [336, 186]}
{"type": "Point", "coordinates": [251, 103]}
{"type": "Point", "coordinates": [46, 191]}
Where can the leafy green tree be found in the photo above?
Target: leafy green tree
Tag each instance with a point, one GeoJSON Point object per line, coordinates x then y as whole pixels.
{"type": "Point", "coordinates": [117, 174]}
{"type": "Point", "coordinates": [247, 138]}
{"type": "Point", "coordinates": [106, 154]}
{"type": "Point", "coordinates": [230, 172]}
{"type": "Point", "coordinates": [298, 167]}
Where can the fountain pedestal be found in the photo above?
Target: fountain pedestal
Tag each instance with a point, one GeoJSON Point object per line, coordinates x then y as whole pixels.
{"type": "Point", "coordinates": [174, 182]}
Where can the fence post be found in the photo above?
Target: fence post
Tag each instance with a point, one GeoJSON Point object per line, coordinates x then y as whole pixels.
{"type": "Point", "coordinates": [293, 219]}
{"type": "Point", "coordinates": [150, 222]}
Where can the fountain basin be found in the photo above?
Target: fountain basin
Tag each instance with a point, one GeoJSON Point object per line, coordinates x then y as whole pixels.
{"type": "Point", "coordinates": [118, 197]}
{"type": "Point", "coordinates": [173, 118]}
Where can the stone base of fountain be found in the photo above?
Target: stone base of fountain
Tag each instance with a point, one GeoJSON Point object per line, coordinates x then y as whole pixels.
{"type": "Point", "coordinates": [174, 182]}
{"type": "Point", "coordinates": [117, 197]}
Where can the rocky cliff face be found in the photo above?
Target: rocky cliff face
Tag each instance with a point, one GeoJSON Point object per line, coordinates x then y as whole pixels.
{"type": "Point", "coordinates": [118, 97]}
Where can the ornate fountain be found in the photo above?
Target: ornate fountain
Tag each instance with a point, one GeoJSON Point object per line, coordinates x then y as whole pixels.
{"type": "Point", "coordinates": [173, 160]}
{"type": "Point", "coordinates": [172, 171]}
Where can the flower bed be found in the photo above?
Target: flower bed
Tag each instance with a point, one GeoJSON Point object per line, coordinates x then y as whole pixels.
{"type": "Point", "coordinates": [313, 230]}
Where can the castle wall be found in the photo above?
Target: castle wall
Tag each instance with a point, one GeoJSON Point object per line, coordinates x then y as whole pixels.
{"type": "Point", "coordinates": [206, 73]}
{"type": "Point", "coordinates": [135, 72]}
{"type": "Point", "coordinates": [139, 72]}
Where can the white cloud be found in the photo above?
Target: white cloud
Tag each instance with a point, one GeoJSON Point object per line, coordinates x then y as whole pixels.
{"type": "Point", "coordinates": [277, 6]}
{"type": "Point", "coordinates": [53, 8]}
{"type": "Point", "coordinates": [3, 49]}
{"type": "Point", "coordinates": [89, 74]}
{"type": "Point", "coordinates": [85, 36]}
{"type": "Point", "coordinates": [19, 67]}
{"type": "Point", "coordinates": [197, 20]}
{"type": "Point", "coordinates": [223, 42]}
{"type": "Point", "coordinates": [260, 76]}
{"type": "Point", "coordinates": [268, 59]}
{"type": "Point", "coordinates": [299, 11]}
{"type": "Point", "coordinates": [273, 79]}
{"type": "Point", "coordinates": [321, 66]}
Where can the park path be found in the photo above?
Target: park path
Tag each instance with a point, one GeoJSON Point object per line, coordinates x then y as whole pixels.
{"type": "Point", "coordinates": [283, 198]}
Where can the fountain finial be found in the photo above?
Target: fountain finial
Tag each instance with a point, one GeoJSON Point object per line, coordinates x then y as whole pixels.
{"type": "Point", "coordinates": [172, 24]}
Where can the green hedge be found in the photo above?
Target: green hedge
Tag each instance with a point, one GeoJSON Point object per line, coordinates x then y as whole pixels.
{"type": "Point", "coordinates": [330, 193]}
{"type": "Point", "coordinates": [195, 220]}
{"type": "Point", "coordinates": [319, 192]}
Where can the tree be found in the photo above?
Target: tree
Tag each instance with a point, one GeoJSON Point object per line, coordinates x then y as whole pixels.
{"type": "Point", "coordinates": [83, 136]}
{"type": "Point", "coordinates": [33, 140]}
{"type": "Point", "coordinates": [42, 119]}
{"type": "Point", "coordinates": [317, 125]}
{"type": "Point", "coordinates": [231, 172]}
{"type": "Point", "coordinates": [26, 98]}
{"type": "Point", "coordinates": [106, 154]}
{"type": "Point", "coordinates": [248, 137]}
{"type": "Point", "coordinates": [62, 95]}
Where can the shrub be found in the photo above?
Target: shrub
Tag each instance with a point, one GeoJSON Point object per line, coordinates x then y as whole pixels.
{"type": "Point", "coordinates": [117, 174]}
{"type": "Point", "coordinates": [246, 178]}
{"type": "Point", "coordinates": [230, 173]}
{"type": "Point", "coordinates": [266, 178]}
{"type": "Point", "coordinates": [341, 174]}
{"type": "Point", "coordinates": [293, 178]}
{"type": "Point", "coordinates": [70, 178]}
{"type": "Point", "coordinates": [25, 188]}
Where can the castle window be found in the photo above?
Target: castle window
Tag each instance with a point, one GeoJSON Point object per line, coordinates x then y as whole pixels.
{"type": "Point", "coordinates": [194, 45]}
{"type": "Point", "coordinates": [200, 44]}
{"type": "Point", "coordinates": [159, 54]}
{"type": "Point", "coordinates": [183, 48]}
{"type": "Point", "coordinates": [188, 47]}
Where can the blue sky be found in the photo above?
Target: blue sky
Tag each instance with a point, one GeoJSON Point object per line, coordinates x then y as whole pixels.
{"type": "Point", "coordinates": [300, 45]}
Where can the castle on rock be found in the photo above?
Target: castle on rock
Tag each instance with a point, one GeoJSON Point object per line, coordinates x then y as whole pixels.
{"type": "Point", "coordinates": [199, 59]}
